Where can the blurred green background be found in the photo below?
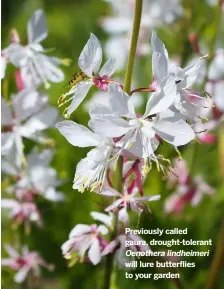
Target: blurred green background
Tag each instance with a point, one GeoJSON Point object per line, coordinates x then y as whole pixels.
{"type": "Point", "coordinates": [70, 23]}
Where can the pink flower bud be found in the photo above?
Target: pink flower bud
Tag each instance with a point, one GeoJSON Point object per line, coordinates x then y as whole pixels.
{"type": "Point", "coordinates": [194, 42]}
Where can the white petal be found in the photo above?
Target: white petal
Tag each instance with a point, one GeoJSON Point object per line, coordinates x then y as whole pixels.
{"type": "Point", "coordinates": [157, 45]}
{"type": "Point", "coordinates": [27, 102]}
{"type": "Point", "coordinates": [40, 121]}
{"type": "Point", "coordinates": [120, 101]}
{"type": "Point", "coordinates": [91, 56]}
{"type": "Point", "coordinates": [3, 67]}
{"type": "Point", "coordinates": [42, 159]}
{"type": "Point", "coordinates": [110, 127]}
{"type": "Point", "coordinates": [149, 198]}
{"type": "Point", "coordinates": [79, 230]}
{"type": "Point", "coordinates": [191, 72]}
{"type": "Point", "coordinates": [80, 92]}
{"type": "Point", "coordinates": [9, 204]}
{"type": "Point", "coordinates": [48, 68]}
{"type": "Point", "coordinates": [136, 147]}
{"type": "Point", "coordinates": [123, 215]}
{"type": "Point", "coordinates": [94, 252]}
{"type": "Point", "coordinates": [106, 219]}
{"type": "Point", "coordinates": [7, 262]}
{"type": "Point", "coordinates": [7, 141]}
{"type": "Point", "coordinates": [100, 111]}
{"type": "Point", "coordinates": [175, 132]}
{"type": "Point", "coordinates": [102, 230]}
{"type": "Point", "coordinates": [21, 274]}
{"type": "Point", "coordinates": [159, 66]}
{"type": "Point", "coordinates": [108, 68]}
{"type": "Point", "coordinates": [110, 192]}
{"type": "Point", "coordinates": [52, 195]}
{"type": "Point", "coordinates": [6, 113]}
{"type": "Point", "coordinates": [114, 205]}
{"type": "Point", "coordinates": [78, 135]}
{"type": "Point", "coordinates": [18, 55]}
{"type": "Point", "coordinates": [160, 101]}
{"type": "Point", "coordinates": [37, 27]}
{"type": "Point", "coordinates": [110, 247]}
{"type": "Point", "coordinates": [12, 252]}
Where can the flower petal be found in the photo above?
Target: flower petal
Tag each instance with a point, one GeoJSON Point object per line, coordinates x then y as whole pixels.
{"type": "Point", "coordinates": [37, 27]}
{"type": "Point", "coordinates": [3, 67]}
{"type": "Point", "coordinates": [175, 131]}
{"type": "Point", "coordinates": [94, 252]}
{"type": "Point", "coordinates": [80, 92]}
{"type": "Point", "coordinates": [6, 117]}
{"type": "Point", "coordinates": [106, 219]}
{"type": "Point", "coordinates": [123, 215]}
{"type": "Point", "coordinates": [11, 251]}
{"type": "Point", "coordinates": [40, 121]}
{"type": "Point", "coordinates": [78, 135]}
{"type": "Point", "coordinates": [102, 230]}
{"type": "Point", "coordinates": [108, 68]}
{"type": "Point", "coordinates": [149, 198]}
{"type": "Point", "coordinates": [159, 66]}
{"type": "Point", "coordinates": [91, 56]}
{"type": "Point", "coordinates": [79, 230]}
{"type": "Point", "coordinates": [27, 102]}
{"type": "Point", "coordinates": [112, 126]}
{"type": "Point", "coordinates": [110, 247]}
{"type": "Point", "coordinates": [160, 101]}
{"type": "Point", "coordinates": [21, 274]}
{"type": "Point", "coordinates": [157, 45]}
{"type": "Point", "coordinates": [120, 101]}
{"type": "Point", "coordinates": [114, 205]}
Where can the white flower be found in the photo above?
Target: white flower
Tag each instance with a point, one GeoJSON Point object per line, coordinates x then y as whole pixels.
{"type": "Point", "coordinates": [84, 237]}
{"type": "Point", "coordinates": [186, 101]}
{"type": "Point", "coordinates": [140, 133]}
{"type": "Point", "coordinates": [90, 171]}
{"type": "Point", "coordinates": [24, 263]}
{"type": "Point", "coordinates": [37, 178]}
{"type": "Point", "coordinates": [125, 201]}
{"type": "Point", "coordinates": [29, 115]}
{"type": "Point", "coordinates": [22, 212]}
{"type": "Point", "coordinates": [32, 61]}
{"type": "Point", "coordinates": [89, 62]}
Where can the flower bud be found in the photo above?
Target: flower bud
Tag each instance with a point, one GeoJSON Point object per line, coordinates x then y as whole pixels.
{"type": "Point", "coordinates": [14, 36]}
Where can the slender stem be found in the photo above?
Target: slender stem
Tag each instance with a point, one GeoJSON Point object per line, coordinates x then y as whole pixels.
{"type": "Point", "coordinates": [134, 41]}
{"type": "Point", "coordinates": [117, 178]}
{"type": "Point", "coordinates": [219, 252]}
{"type": "Point", "coordinates": [117, 184]}
{"type": "Point", "coordinates": [217, 260]}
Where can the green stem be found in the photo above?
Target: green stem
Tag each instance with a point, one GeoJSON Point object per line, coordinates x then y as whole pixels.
{"type": "Point", "coordinates": [217, 260]}
{"type": "Point", "coordinates": [134, 41]}
{"type": "Point", "coordinates": [117, 176]}
{"type": "Point", "coordinates": [118, 185]}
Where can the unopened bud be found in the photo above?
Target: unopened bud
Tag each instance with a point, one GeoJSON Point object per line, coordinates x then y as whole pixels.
{"type": "Point", "coordinates": [14, 36]}
{"type": "Point", "coordinates": [194, 42]}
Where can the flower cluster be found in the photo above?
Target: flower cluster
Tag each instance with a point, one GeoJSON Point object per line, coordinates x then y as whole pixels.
{"type": "Point", "coordinates": [122, 136]}
{"type": "Point", "coordinates": [189, 189]}
{"type": "Point", "coordinates": [26, 115]}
